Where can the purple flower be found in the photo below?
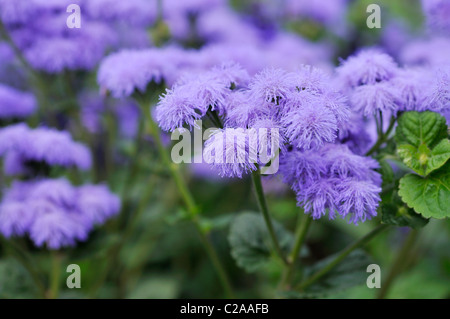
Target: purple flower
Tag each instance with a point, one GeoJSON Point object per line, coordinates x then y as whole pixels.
{"type": "Point", "coordinates": [128, 70]}
{"type": "Point", "coordinates": [309, 126]}
{"type": "Point", "coordinates": [243, 110]}
{"type": "Point", "coordinates": [371, 98]}
{"type": "Point", "coordinates": [232, 152]}
{"type": "Point", "coordinates": [15, 218]}
{"type": "Point", "coordinates": [302, 168]}
{"type": "Point", "coordinates": [437, 94]}
{"type": "Point", "coordinates": [426, 52]}
{"type": "Point", "coordinates": [438, 14]}
{"type": "Point", "coordinates": [53, 212]}
{"type": "Point", "coordinates": [132, 12]}
{"type": "Point", "coordinates": [326, 180]}
{"type": "Point", "coordinates": [366, 67]}
{"type": "Point", "coordinates": [42, 145]}
{"type": "Point", "coordinates": [318, 198]}
{"type": "Point", "coordinates": [54, 226]}
{"type": "Point", "coordinates": [271, 85]}
{"type": "Point", "coordinates": [15, 104]}
{"type": "Point", "coordinates": [358, 199]}
{"type": "Point", "coordinates": [178, 107]}
{"type": "Point", "coordinates": [97, 203]}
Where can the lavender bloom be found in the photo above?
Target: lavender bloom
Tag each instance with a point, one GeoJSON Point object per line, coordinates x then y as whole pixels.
{"type": "Point", "coordinates": [97, 203]}
{"type": "Point", "coordinates": [319, 197]}
{"type": "Point", "coordinates": [55, 227]}
{"type": "Point", "coordinates": [437, 95]}
{"type": "Point", "coordinates": [359, 199]}
{"type": "Point", "coordinates": [42, 145]}
{"type": "Point", "coordinates": [302, 168]}
{"type": "Point", "coordinates": [193, 96]}
{"type": "Point", "coordinates": [271, 84]}
{"type": "Point", "coordinates": [232, 152]}
{"type": "Point", "coordinates": [309, 126]}
{"type": "Point", "coordinates": [328, 180]}
{"type": "Point", "coordinates": [15, 104]}
{"type": "Point", "coordinates": [15, 219]}
{"type": "Point", "coordinates": [134, 12]}
{"type": "Point", "coordinates": [371, 98]}
{"type": "Point", "coordinates": [429, 52]}
{"type": "Point", "coordinates": [53, 212]}
{"type": "Point", "coordinates": [128, 70]}
{"type": "Point", "coordinates": [178, 107]}
{"type": "Point", "coordinates": [438, 14]}
{"type": "Point", "coordinates": [366, 67]}
{"type": "Point", "coordinates": [242, 111]}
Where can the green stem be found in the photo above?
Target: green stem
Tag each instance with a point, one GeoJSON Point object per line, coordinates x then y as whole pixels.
{"type": "Point", "coordinates": [191, 207]}
{"type": "Point", "coordinates": [341, 256]}
{"type": "Point", "coordinates": [256, 177]}
{"type": "Point", "coordinates": [55, 275]}
{"type": "Point", "coordinates": [382, 137]}
{"type": "Point", "coordinates": [300, 235]}
{"type": "Point", "coordinates": [399, 263]}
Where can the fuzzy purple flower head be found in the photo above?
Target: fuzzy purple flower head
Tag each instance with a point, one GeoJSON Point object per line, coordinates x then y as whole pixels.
{"type": "Point", "coordinates": [40, 145]}
{"type": "Point", "coordinates": [54, 213]}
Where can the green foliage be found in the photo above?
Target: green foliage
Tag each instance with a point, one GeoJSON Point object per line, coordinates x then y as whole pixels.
{"type": "Point", "coordinates": [399, 215]}
{"type": "Point", "coordinates": [250, 240]}
{"type": "Point", "coordinates": [349, 273]}
{"type": "Point", "coordinates": [15, 282]}
{"type": "Point", "coordinates": [422, 141]}
{"type": "Point", "coordinates": [424, 147]}
{"type": "Point", "coordinates": [429, 196]}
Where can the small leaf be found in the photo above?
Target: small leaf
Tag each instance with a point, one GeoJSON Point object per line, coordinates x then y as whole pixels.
{"type": "Point", "coordinates": [439, 156]}
{"type": "Point", "coordinates": [350, 272]}
{"type": "Point", "coordinates": [422, 141]}
{"type": "Point", "coordinates": [396, 215]}
{"type": "Point", "coordinates": [416, 128]}
{"type": "Point", "coordinates": [250, 240]}
{"type": "Point", "coordinates": [429, 196]}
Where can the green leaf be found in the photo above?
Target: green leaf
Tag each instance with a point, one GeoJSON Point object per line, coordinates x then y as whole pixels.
{"type": "Point", "coordinates": [396, 215]}
{"type": "Point", "coordinates": [429, 196]}
{"type": "Point", "coordinates": [416, 128]}
{"type": "Point", "coordinates": [352, 271]}
{"type": "Point", "coordinates": [439, 156]}
{"type": "Point", "coordinates": [250, 241]}
{"type": "Point", "coordinates": [422, 141]}
{"type": "Point", "coordinates": [386, 171]}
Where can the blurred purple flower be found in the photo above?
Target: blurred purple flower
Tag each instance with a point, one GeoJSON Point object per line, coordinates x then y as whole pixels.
{"type": "Point", "coordinates": [15, 104]}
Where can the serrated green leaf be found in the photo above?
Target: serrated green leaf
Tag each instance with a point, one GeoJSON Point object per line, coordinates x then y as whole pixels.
{"type": "Point", "coordinates": [402, 216]}
{"type": "Point", "coordinates": [350, 272]}
{"type": "Point", "coordinates": [429, 196]}
{"type": "Point", "coordinates": [250, 240]}
{"type": "Point", "coordinates": [439, 156]}
{"type": "Point", "coordinates": [422, 141]}
{"type": "Point", "coordinates": [416, 128]}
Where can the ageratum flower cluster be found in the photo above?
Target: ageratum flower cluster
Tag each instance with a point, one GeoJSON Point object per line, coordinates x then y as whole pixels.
{"type": "Point", "coordinates": [53, 213]}
{"type": "Point", "coordinates": [25, 149]}
{"type": "Point", "coordinates": [310, 116]}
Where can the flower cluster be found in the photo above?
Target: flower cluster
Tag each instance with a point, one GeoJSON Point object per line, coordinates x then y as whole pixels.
{"type": "Point", "coordinates": [25, 149]}
{"type": "Point", "coordinates": [309, 116]}
{"type": "Point", "coordinates": [53, 213]}
{"type": "Point", "coordinates": [333, 180]}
